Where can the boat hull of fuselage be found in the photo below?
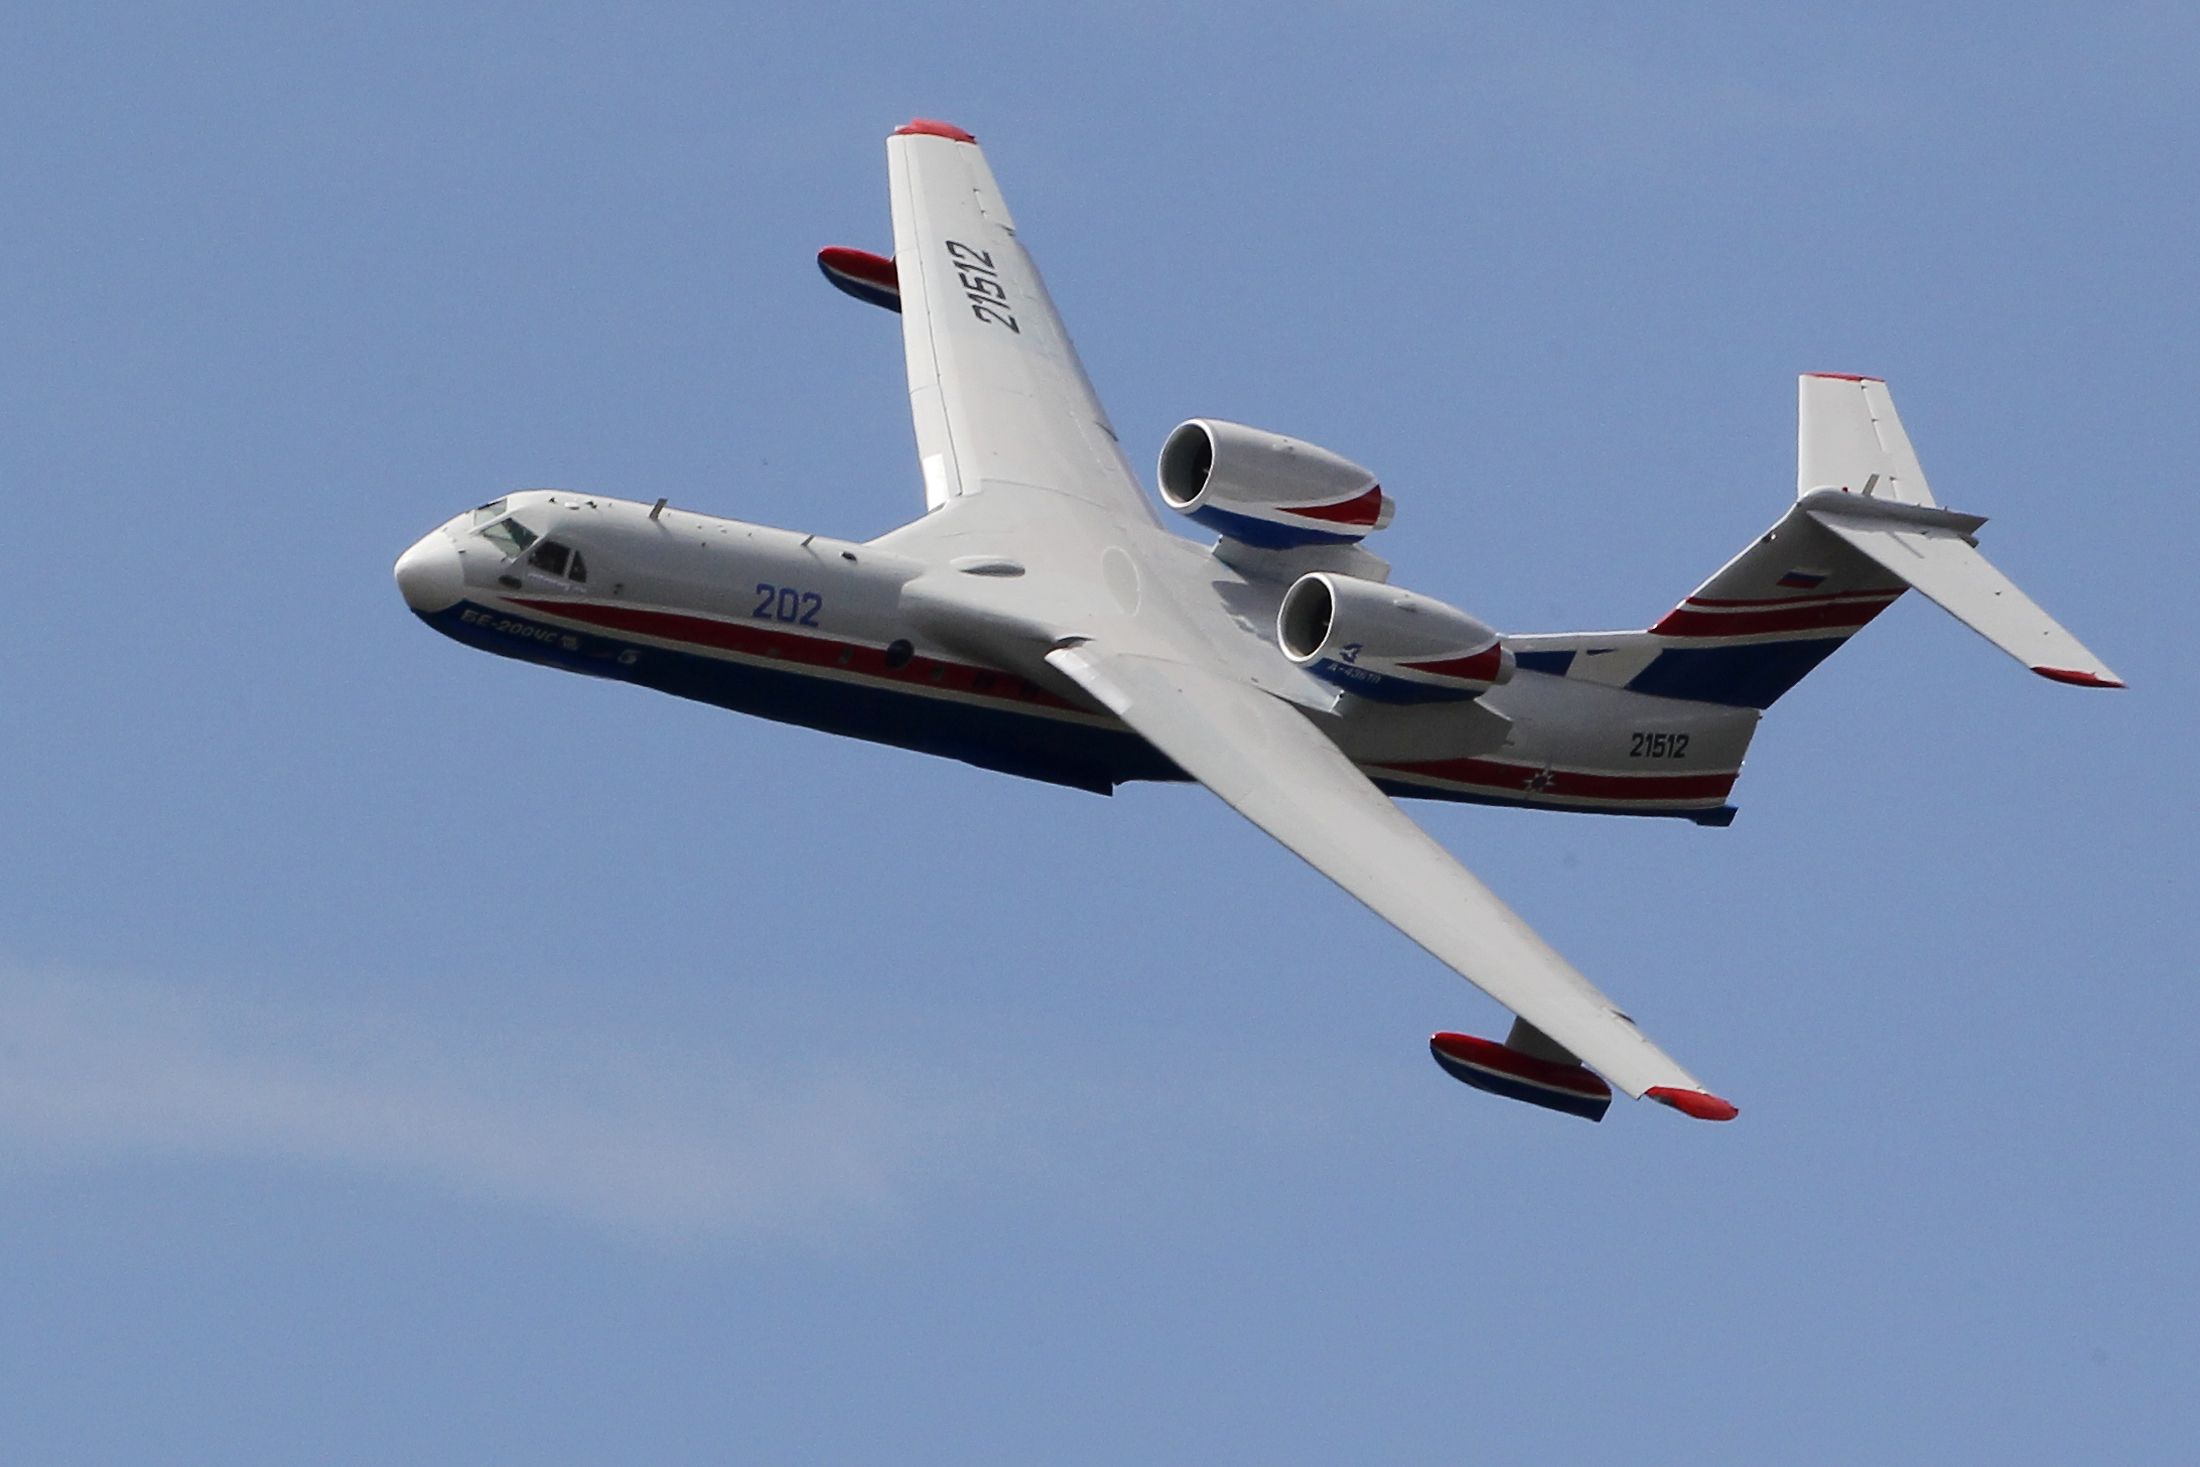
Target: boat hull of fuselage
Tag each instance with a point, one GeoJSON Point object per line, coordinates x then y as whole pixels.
{"type": "Point", "coordinates": [1002, 723]}
{"type": "Point", "coordinates": [981, 716]}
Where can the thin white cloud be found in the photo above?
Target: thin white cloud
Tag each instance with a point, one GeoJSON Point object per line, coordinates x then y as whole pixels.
{"type": "Point", "coordinates": [679, 1142]}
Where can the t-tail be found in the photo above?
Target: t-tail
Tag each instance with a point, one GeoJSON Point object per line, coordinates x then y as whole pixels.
{"type": "Point", "coordinates": [1864, 528]}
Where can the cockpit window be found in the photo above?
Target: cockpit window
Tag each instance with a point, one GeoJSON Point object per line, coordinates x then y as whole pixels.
{"type": "Point", "coordinates": [554, 558]}
{"type": "Point", "coordinates": [488, 512]}
{"type": "Point", "coordinates": [511, 534]}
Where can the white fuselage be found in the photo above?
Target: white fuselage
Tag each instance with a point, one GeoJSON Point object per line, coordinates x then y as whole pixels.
{"type": "Point", "coordinates": [849, 638]}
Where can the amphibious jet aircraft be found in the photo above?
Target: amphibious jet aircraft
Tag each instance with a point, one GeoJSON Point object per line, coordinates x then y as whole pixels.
{"type": "Point", "coordinates": [1038, 619]}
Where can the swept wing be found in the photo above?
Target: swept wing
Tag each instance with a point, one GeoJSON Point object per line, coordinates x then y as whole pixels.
{"type": "Point", "coordinates": [1022, 468]}
{"type": "Point", "coordinates": [1272, 766]}
{"type": "Point", "coordinates": [1000, 400]}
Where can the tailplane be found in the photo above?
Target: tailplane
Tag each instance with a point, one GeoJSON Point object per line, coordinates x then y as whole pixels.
{"type": "Point", "coordinates": [1864, 528]}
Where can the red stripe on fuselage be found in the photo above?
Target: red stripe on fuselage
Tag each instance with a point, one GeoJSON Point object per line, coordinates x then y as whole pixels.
{"type": "Point", "coordinates": [1819, 616]}
{"type": "Point", "coordinates": [769, 641]}
{"type": "Point", "coordinates": [1884, 594]}
{"type": "Point", "coordinates": [774, 642]}
{"type": "Point", "coordinates": [1514, 779]}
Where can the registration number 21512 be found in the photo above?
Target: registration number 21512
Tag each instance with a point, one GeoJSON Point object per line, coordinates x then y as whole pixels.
{"type": "Point", "coordinates": [1642, 745]}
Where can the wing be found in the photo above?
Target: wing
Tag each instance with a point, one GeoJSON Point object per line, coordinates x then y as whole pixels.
{"type": "Point", "coordinates": [1000, 400]}
{"type": "Point", "coordinates": [1276, 769]}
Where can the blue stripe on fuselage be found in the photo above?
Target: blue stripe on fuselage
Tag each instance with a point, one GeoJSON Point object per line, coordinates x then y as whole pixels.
{"type": "Point", "coordinates": [1752, 675]}
{"type": "Point", "coordinates": [1554, 663]}
{"type": "Point", "coordinates": [1008, 739]}
{"type": "Point", "coordinates": [1013, 741]}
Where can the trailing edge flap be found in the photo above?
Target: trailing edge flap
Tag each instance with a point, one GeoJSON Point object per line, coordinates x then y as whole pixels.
{"type": "Point", "coordinates": [1931, 549]}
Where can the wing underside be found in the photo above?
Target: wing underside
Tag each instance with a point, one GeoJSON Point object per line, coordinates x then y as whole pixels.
{"type": "Point", "coordinates": [999, 398]}
{"type": "Point", "coordinates": [1267, 762]}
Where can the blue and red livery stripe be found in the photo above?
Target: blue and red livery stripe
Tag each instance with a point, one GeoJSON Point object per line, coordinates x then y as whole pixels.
{"type": "Point", "coordinates": [1528, 782]}
{"type": "Point", "coordinates": [1501, 1070]}
{"type": "Point", "coordinates": [1361, 509]}
{"type": "Point", "coordinates": [1270, 535]}
{"type": "Point", "coordinates": [1083, 751]}
{"type": "Point", "coordinates": [769, 640]}
{"type": "Point", "coordinates": [1843, 611]}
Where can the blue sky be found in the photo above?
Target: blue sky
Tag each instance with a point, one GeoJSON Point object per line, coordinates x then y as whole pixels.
{"type": "Point", "coordinates": [406, 1054]}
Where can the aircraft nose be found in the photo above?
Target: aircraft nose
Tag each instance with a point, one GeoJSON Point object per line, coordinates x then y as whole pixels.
{"type": "Point", "coordinates": [429, 575]}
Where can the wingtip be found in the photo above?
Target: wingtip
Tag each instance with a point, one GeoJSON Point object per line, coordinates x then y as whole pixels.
{"type": "Point", "coordinates": [1701, 1104]}
{"type": "Point", "coordinates": [932, 128]}
{"type": "Point", "coordinates": [2078, 678]}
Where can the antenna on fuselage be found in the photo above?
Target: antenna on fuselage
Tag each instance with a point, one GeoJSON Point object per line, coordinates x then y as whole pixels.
{"type": "Point", "coordinates": [657, 509]}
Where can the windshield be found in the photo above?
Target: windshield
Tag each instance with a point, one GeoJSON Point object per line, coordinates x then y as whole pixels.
{"type": "Point", "coordinates": [511, 534]}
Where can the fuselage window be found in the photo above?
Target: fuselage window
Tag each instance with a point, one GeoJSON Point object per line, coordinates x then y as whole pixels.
{"type": "Point", "coordinates": [550, 556]}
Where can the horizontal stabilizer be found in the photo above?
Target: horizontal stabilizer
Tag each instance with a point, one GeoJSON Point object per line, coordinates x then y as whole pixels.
{"type": "Point", "coordinates": [1933, 551]}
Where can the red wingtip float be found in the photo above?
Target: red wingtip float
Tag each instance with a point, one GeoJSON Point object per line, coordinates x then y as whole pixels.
{"type": "Point", "coordinates": [1501, 1070]}
{"type": "Point", "coordinates": [870, 278]}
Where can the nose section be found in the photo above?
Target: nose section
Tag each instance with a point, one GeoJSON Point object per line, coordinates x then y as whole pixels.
{"type": "Point", "coordinates": [429, 575]}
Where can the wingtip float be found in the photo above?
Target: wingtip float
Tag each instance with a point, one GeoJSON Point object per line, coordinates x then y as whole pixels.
{"type": "Point", "coordinates": [1498, 1070]}
{"type": "Point", "coordinates": [1571, 1089]}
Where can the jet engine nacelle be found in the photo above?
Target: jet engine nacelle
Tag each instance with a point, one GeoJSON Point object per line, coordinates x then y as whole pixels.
{"type": "Point", "coordinates": [1387, 644]}
{"type": "Point", "coordinates": [1264, 489]}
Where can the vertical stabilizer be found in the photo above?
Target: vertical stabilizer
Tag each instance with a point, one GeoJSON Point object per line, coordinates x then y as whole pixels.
{"type": "Point", "coordinates": [1849, 438]}
{"type": "Point", "coordinates": [1864, 529]}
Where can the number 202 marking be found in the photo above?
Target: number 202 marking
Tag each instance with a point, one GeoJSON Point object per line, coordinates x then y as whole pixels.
{"type": "Point", "coordinates": [785, 603]}
{"type": "Point", "coordinates": [1657, 746]}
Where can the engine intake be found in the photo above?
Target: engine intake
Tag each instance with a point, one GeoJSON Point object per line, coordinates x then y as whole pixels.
{"type": "Point", "coordinates": [1386, 644]}
{"type": "Point", "coordinates": [1264, 489]}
